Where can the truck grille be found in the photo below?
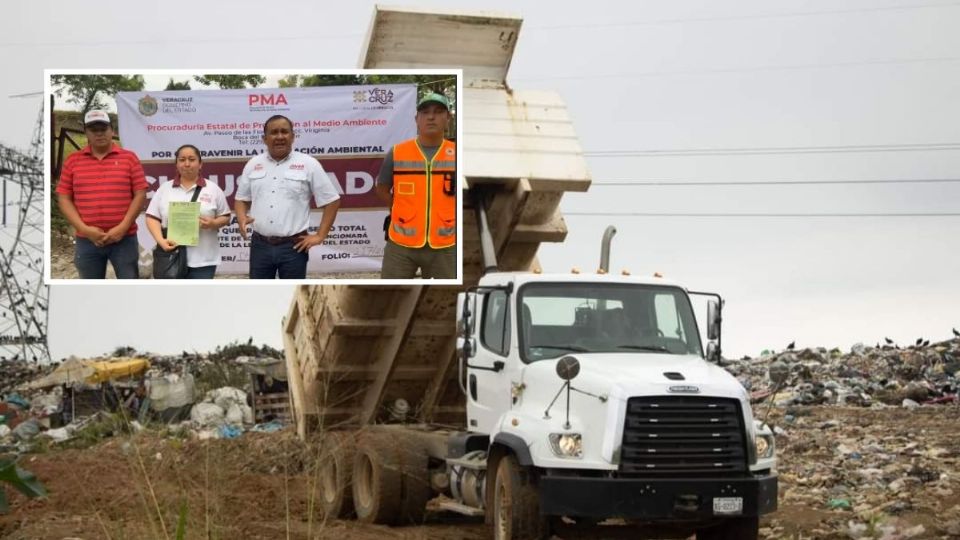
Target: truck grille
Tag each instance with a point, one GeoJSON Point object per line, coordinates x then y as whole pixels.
{"type": "Point", "coordinates": [683, 436]}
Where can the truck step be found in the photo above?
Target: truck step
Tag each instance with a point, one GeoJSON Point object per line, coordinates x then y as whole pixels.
{"type": "Point", "coordinates": [468, 463]}
{"type": "Point", "coordinates": [454, 506]}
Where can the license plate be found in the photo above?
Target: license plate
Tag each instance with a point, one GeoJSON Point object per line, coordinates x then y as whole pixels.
{"type": "Point", "coordinates": [727, 505]}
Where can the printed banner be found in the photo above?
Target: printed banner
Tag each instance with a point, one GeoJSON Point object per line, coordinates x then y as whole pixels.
{"type": "Point", "coordinates": [347, 128]}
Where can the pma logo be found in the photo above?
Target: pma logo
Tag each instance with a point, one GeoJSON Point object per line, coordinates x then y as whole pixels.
{"type": "Point", "coordinates": [147, 106]}
{"type": "Point", "coordinates": [261, 100]}
{"type": "Point", "coordinates": [381, 96]}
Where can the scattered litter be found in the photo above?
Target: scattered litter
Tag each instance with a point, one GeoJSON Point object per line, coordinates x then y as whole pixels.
{"type": "Point", "coordinates": [57, 434]}
{"type": "Point", "coordinates": [227, 431]}
{"type": "Point", "coordinates": [27, 430]}
{"type": "Point", "coordinates": [206, 414]}
{"type": "Point", "coordinates": [269, 427]}
{"type": "Point", "coordinates": [841, 504]}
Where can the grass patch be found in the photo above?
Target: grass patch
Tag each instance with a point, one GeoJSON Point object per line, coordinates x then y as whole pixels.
{"type": "Point", "coordinates": [106, 425]}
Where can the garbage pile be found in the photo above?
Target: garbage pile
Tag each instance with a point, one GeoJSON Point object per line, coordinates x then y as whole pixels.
{"type": "Point", "coordinates": [195, 395]}
{"type": "Point", "coordinates": [921, 374]}
{"type": "Point", "coordinates": [849, 472]}
{"type": "Point", "coordinates": [13, 373]}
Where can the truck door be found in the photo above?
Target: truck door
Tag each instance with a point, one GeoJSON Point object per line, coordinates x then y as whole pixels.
{"type": "Point", "coordinates": [488, 372]}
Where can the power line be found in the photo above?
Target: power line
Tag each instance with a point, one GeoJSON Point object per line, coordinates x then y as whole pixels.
{"type": "Point", "coordinates": [641, 183]}
{"type": "Point", "coordinates": [182, 40]}
{"type": "Point", "coordinates": [763, 215]}
{"type": "Point", "coordinates": [545, 27]}
{"type": "Point", "coordinates": [720, 71]}
{"type": "Point", "coordinates": [660, 22]}
{"type": "Point", "coordinates": [760, 150]}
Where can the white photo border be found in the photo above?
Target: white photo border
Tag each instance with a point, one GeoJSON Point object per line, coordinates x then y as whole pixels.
{"type": "Point", "coordinates": [242, 282]}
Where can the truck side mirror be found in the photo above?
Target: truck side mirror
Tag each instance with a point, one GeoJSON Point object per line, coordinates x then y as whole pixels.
{"type": "Point", "coordinates": [713, 353]}
{"type": "Point", "coordinates": [466, 302]}
{"type": "Point", "coordinates": [714, 319]}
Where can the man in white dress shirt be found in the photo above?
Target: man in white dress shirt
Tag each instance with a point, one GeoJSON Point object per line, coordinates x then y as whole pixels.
{"type": "Point", "coordinates": [273, 195]}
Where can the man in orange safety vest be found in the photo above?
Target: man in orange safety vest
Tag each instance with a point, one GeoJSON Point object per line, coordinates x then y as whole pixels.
{"type": "Point", "coordinates": [418, 181]}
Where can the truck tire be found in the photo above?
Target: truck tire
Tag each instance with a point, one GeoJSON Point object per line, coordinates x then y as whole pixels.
{"type": "Point", "coordinates": [415, 482]}
{"type": "Point", "coordinates": [377, 480]}
{"type": "Point", "coordinates": [516, 505]}
{"type": "Point", "coordinates": [743, 528]}
{"type": "Point", "coordinates": [335, 475]}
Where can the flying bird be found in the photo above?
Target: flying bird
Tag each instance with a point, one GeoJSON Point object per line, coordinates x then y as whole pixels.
{"type": "Point", "coordinates": [919, 341]}
{"type": "Point", "coordinates": [791, 345]}
{"type": "Point", "coordinates": [926, 343]}
{"type": "Point", "coordinates": [955, 333]}
{"type": "Point", "coordinates": [888, 340]}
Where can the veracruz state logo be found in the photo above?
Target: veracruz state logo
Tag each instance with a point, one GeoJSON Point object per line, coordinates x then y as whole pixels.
{"type": "Point", "coordinates": [381, 96]}
{"type": "Point", "coordinates": [374, 98]}
{"type": "Point", "coordinates": [147, 106]}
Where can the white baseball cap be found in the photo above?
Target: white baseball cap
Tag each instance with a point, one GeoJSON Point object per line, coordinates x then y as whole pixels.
{"type": "Point", "coordinates": [96, 117]}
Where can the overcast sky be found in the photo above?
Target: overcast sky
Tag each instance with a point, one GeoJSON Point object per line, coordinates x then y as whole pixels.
{"type": "Point", "coordinates": [748, 90]}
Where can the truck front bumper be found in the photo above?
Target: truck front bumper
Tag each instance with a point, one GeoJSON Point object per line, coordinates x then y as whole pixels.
{"type": "Point", "coordinates": [656, 499]}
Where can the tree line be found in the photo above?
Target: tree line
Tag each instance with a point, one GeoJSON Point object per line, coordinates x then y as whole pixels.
{"type": "Point", "coordinates": [91, 91]}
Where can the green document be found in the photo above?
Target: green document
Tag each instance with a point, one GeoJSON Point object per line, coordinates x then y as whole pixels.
{"type": "Point", "coordinates": [183, 223]}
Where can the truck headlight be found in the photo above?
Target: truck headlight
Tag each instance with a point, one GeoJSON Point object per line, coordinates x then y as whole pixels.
{"type": "Point", "coordinates": [765, 445]}
{"type": "Point", "coordinates": [566, 445]}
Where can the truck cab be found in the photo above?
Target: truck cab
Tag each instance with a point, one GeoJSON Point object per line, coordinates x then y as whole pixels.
{"type": "Point", "coordinates": [596, 399]}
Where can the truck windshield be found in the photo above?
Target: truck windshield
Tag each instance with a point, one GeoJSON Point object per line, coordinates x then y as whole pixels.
{"type": "Point", "coordinates": [559, 318]}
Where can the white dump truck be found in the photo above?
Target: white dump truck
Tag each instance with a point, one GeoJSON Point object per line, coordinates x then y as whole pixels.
{"type": "Point", "coordinates": [590, 407]}
{"type": "Point", "coordinates": [575, 404]}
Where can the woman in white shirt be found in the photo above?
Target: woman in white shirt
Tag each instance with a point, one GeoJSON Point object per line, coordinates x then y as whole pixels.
{"type": "Point", "coordinates": [203, 258]}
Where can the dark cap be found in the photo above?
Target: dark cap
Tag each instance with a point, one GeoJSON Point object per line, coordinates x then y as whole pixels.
{"type": "Point", "coordinates": [434, 97]}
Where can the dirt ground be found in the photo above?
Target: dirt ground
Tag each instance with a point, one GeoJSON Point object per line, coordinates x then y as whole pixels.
{"type": "Point", "coordinates": [255, 486]}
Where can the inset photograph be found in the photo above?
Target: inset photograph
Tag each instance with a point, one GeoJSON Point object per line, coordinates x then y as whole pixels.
{"type": "Point", "coordinates": [258, 175]}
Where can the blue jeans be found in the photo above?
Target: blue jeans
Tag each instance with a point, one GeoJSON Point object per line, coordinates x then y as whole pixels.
{"type": "Point", "coordinates": [91, 261]}
{"type": "Point", "coordinates": [201, 272]}
{"type": "Point", "coordinates": [268, 260]}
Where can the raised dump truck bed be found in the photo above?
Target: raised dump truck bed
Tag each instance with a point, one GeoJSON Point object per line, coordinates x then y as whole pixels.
{"type": "Point", "coordinates": [353, 350]}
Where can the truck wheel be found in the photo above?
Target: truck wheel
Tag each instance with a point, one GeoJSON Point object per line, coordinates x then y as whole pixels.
{"type": "Point", "coordinates": [334, 475]}
{"type": "Point", "coordinates": [516, 506]}
{"type": "Point", "coordinates": [415, 480]}
{"type": "Point", "coordinates": [376, 481]}
{"type": "Point", "coordinates": [744, 528]}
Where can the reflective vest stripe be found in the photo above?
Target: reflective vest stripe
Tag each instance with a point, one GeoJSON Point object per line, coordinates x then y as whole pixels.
{"type": "Point", "coordinates": [406, 231]}
{"type": "Point", "coordinates": [409, 165]}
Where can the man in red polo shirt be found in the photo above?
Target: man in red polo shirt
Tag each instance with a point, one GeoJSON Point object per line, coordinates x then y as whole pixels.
{"type": "Point", "coordinates": [102, 189]}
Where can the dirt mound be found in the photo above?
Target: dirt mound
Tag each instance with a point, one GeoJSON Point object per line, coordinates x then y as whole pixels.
{"type": "Point", "coordinates": [255, 486]}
